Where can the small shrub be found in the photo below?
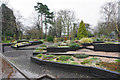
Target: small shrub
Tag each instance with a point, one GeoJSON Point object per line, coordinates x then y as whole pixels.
{"type": "Point", "coordinates": [94, 59]}
{"type": "Point", "coordinates": [50, 39]}
{"type": "Point", "coordinates": [71, 59]}
{"type": "Point", "coordinates": [47, 57]}
{"type": "Point", "coordinates": [86, 61]}
{"type": "Point", "coordinates": [62, 61]}
{"type": "Point", "coordinates": [43, 45]}
{"type": "Point", "coordinates": [73, 63]}
{"type": "Point", "coordinates": [81, 55]}
{"type": "Point", "coordinates": [39, 55]}
{"type": "Point", "coordinates": [109, 43]}
{"type": "Point", "coordinates": [118, 60]}
{"type": "Point", "coordinates": [86, 40]}
{"type": "Point", "coordinates": [74, 45]}
{"type": "Point", "coordinates": [41, 40]}
{"type": "Point", "coordinates": [97, 39]}
{"type": "Point", "coordinates": [64, 58]}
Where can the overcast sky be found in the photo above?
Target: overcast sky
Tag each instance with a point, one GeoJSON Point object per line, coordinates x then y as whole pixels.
{"type": "Point", "coordinates": [86, 10]}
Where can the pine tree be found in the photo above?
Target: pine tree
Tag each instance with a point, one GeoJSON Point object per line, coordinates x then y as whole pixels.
{"type": "Point", "coordinates": [82, 32]}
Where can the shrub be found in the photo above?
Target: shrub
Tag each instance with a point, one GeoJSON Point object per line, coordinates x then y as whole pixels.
{"type": "Point", "coordinates": [62, 61]}
{"type": "Point", "coordinates": [109, 43]}
{"type": "Point", "coordinates": [41, 40]}
{"type": "Point", "coordinates": [43, 45]}
{"type": "Point", "coordinates": [74, 45]}
{"type": "Point", "coordinates": [64, 58]}
{"type": "Point", "coordinates": [73, 63]}
{"type": "Point", "coordinates": [46, 57]}
{"type": "Point", "coordinates": [86, 61]}
{"type": "Point", "coordinates": [98, 39]}
{"type": "Point", "coordinates": [82, 32]}
{"type": "Point", "coordinates": [39, 55]}
{"type": "Point", "coordinates": [86, 40]}
{"type": "Point", "coordinates": [118, 60]}
{"type": "Point", "coordinates": [71, 59]}
{"type": "Point", "coordinates": [81, 55]}
{"type": "Point", "coordinates": [50, 39]}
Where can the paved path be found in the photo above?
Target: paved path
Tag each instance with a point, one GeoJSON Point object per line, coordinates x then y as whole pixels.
{"type": "Point", "coordinates": [21, 58]}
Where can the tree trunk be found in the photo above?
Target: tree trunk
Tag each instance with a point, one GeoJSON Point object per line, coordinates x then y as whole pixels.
{"type": "Point", "coordinates": [46, 31]}
{"type": "Point", "coordinates": [41, 27]}
{"type": "Point", "coordinates": [68, 32]}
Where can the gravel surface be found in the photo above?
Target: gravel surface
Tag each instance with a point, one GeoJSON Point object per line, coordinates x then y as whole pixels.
{"type": "Point", "coordinates": [113, 54]}
{"type": "Point", "coordinates": [21, 58]}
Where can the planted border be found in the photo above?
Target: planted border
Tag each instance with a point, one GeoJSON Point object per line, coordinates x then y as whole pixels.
{"type": "Point", "coordinates": [7, 44]}
{"type": "Point", "coordinates": [107, 47]}
{"type": "Point", "coordinates": [35, 42]}
{"type": "Point", "coordinates": [60, 49]}
{"type": "Point", "coordinates": [79, 68]}
{"type": "Point", "coordinates": [21, 45]}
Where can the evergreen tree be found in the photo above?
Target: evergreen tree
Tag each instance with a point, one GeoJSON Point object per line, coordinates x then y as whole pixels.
{"type": "Point", "coordinates": [82, 32]}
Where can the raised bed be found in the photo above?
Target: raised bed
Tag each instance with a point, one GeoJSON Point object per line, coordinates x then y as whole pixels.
{"type": "Point", "coordinates": [86, 44]}
{"type": "Point", "coordinates": [60, 49]}
{"type": "Point", "coordinates": [35, 42]}
{"type": "Point", "coordinates": [98, 41]}
{"type": "Point", "coordinates": [22, 41]}
{"type": "Point", "coordinates": [107, 47]}
{"type": "Point", "coordinates": [99, 72]}
{"type": "Point", "coordinates": [7, 44]}
{"type": "Point", "coordinates": [21, 46]}
{"type": "Point", "coordinates": [36, 53]}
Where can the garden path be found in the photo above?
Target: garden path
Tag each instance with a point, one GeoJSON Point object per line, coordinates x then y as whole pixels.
{"type": "Point", "coordinates": [21, 58]}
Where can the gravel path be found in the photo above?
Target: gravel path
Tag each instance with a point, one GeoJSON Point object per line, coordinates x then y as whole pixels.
{"type": "Point", "coordinates": [113, 54]}
{"type": "Point", "coordinates": [21, 58]}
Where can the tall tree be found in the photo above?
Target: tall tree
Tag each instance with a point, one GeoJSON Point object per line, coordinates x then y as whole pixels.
{"type": "Point", "coordinates": [82, 32]}
{"type": "Point", "coordinates": [8, 22]}
{"type": "Point", "coordinates": [68, 18]}
{"type": "Point", "coordinates": [42, 9]}
{"type": "Point", "coordinates": [109, 11]}
{"type": "Point", "coordinates": [48, 19]}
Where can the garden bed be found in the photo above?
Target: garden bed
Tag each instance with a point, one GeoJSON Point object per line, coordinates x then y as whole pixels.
{"type": "Point", "coordinates": [23, 45]}
{"type": "Point", "coordinates": [35, 42]}
{"type": "Point", "coordinates": [107, 47]}
{"type": "Point", "coordinates": [6, 44]}
{"type": "Point", "coordinates": [86, 44]}
{"type": "Point", "coordinates": [98, 41]}
{"type": "Point", "coordinates": [60, 49]}
{"type": "Point", "coordinates": [75, 66]}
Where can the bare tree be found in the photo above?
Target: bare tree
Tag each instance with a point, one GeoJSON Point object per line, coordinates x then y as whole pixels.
{"type": "Point", "coordinates": [67, 18]}
{"type": "Point", "coordinates": [109, 11]}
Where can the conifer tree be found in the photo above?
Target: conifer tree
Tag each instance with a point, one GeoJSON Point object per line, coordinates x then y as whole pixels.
{"type": "Point", "coordinates": [82, 32]}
